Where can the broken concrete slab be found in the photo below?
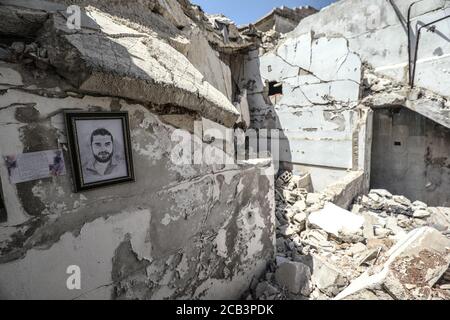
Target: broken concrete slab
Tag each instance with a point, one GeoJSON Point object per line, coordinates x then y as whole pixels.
{"type": "Point", "coordinates": [421, 213]}
{"type": "Point", "coordinates": [338, 222]}
{"type": "Point", "coordinates": [134, 66]}
{"type": "Point", "coordinates": [418, 261]}
{"type": "Point", "coordinates": [327, 277]}
{"type": "Point", "coordinates": [343, 192]}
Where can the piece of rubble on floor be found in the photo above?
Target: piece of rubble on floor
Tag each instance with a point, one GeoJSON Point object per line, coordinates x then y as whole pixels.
{"type": "Point", "coordinates": [385, 247]}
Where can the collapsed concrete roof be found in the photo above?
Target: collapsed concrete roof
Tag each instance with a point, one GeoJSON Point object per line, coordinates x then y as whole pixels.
{"type": "Point", "coordinates": [114, 57]}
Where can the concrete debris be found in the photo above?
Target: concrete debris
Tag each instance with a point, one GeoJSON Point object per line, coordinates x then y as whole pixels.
{"type": "Point", "coordinates": [383, 247]}
{"type": "Point", "coordinates": [294, 276]}
{"type": "Point", "coordinates": [327, 83]}
{"type": "Point", "coordinates": [327, 277]}
{"type": "Point", "coordinates": [125, 60]}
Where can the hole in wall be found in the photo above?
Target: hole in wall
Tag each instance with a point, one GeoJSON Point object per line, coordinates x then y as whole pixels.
{"type": "Point", "coordinates": [397, 143]}
{"type": "Point", "coordinates": [275, 88]}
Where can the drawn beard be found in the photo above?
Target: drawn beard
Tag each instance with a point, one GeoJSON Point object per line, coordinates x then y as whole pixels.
{"type": "Point", "coordinates": [103, 156]}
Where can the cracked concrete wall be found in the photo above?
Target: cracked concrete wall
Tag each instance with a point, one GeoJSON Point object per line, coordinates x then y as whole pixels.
{"type": "Point", "coordinates": [418, 153]}
{"type": "Point", "coordinates": [325, 124]}
{"type": "Point", "coordinates": [377, 31]}
{"type": "Point", "coordinates": [178, 232]}
{"type": "Point", "coordinates": [318, 112]}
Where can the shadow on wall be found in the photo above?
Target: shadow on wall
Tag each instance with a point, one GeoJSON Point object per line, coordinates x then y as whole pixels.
{"type": "Point", "coordinates": [262, 98]}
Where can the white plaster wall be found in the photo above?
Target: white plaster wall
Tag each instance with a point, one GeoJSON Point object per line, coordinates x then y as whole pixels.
{"type": "Point", "coordinates": [380, 37]}
{"type": "Point", "coordinates": [316, 113]}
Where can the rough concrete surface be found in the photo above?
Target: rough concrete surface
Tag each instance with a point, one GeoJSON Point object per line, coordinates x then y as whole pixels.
{"type": "Point", "coordinates": [342, 192]}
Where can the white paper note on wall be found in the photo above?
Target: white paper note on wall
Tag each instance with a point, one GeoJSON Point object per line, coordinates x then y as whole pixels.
{"type": "Point", "coordinates": [35, 165]}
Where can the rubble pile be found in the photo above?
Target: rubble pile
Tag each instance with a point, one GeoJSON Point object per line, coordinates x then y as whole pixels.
{"type": "Point", "coordinates": [385, 247]}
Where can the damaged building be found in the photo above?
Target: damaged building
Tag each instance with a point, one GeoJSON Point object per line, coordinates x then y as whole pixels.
{"type": "Point", "coordinates": [335, 127]}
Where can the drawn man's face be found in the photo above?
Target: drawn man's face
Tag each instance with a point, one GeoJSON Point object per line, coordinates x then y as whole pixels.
{"type": "Point", "coordinates": [102, 148]}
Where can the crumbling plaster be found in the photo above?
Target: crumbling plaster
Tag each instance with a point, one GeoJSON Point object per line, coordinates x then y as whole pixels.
{"type": "Point", "coordinates": [171, 212]}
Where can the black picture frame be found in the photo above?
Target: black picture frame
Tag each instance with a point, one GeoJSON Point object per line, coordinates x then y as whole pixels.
{"type": "Point", "coordinates": [85, 176]}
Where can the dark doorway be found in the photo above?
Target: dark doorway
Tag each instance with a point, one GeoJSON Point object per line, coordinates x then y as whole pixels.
{"type": "Point", "coordinates": [411, 156]}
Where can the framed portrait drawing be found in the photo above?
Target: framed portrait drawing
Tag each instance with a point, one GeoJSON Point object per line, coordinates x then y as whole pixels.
{"type": "Point", "coordinates": [99, 148]}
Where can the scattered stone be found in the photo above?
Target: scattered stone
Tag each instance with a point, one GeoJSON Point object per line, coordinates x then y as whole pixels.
{"type": "Point", "coordinates": [357, 208]}
{"type": "Point", "coordinates": [300, 219]}
{"type": "Point", "coordinates": [281, 247]}
{"type": "Point", "coordinates": [368, 228]}
{"type": "Point", "coordinates": [382, 193]}
{"type": "Point", "coordinates": [384, 244]}
{"type": "Point", "coordinates": [419, 222]}
{"type": "Point", "coordinates": [392, 224]}
{"type": "Point", "coordinates": [290, 196]}
{"type": "Point", "coordinates": [356, 249]}
{"type": "Point", "coordinates": [18, 47]}
{"type": "Point", "coordinates": [374, 197]}
{"type": "Point", "coordinates": [402, 200]}
{"type": "Point", "coordinates": [439, 219]}
{"type": "Point", "coordinates": [280, 260]}
{"type": "Point", "coordinates": [265, 288]}
{"type": "Point", "coordinates": [421, 213]}
{"type": "Point", "coordinates": [381, 232]}
{"type": "Point", "coordinates": [420, 259]}
{"type": "Point", "coordinates": [294, 276]}
{"type": "Point", "coordinates": [340, 247]}
{"type": "Point", "coordinates": [313, 198]}
{"type": "Point", "coordinates": [369, 256]}
{"type": "Point", "coordinates": [297, 240]}
{"type": "Point", "coordinates": [288, 230]}
{"type": "Point", "coordinates": [396, 207]}
{"type": "Point", "coordinates": [314, 208]}
{"type": "Point", "coordinates": [299, 206]}
{"type": "Point", "coordinates": [419, 205]}
{"type": "Point", "coordinates": [373, 294]}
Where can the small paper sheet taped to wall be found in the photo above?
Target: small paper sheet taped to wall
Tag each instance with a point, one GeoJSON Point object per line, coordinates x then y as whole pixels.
{"type": "Point", "coordinates": [35, 165]}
